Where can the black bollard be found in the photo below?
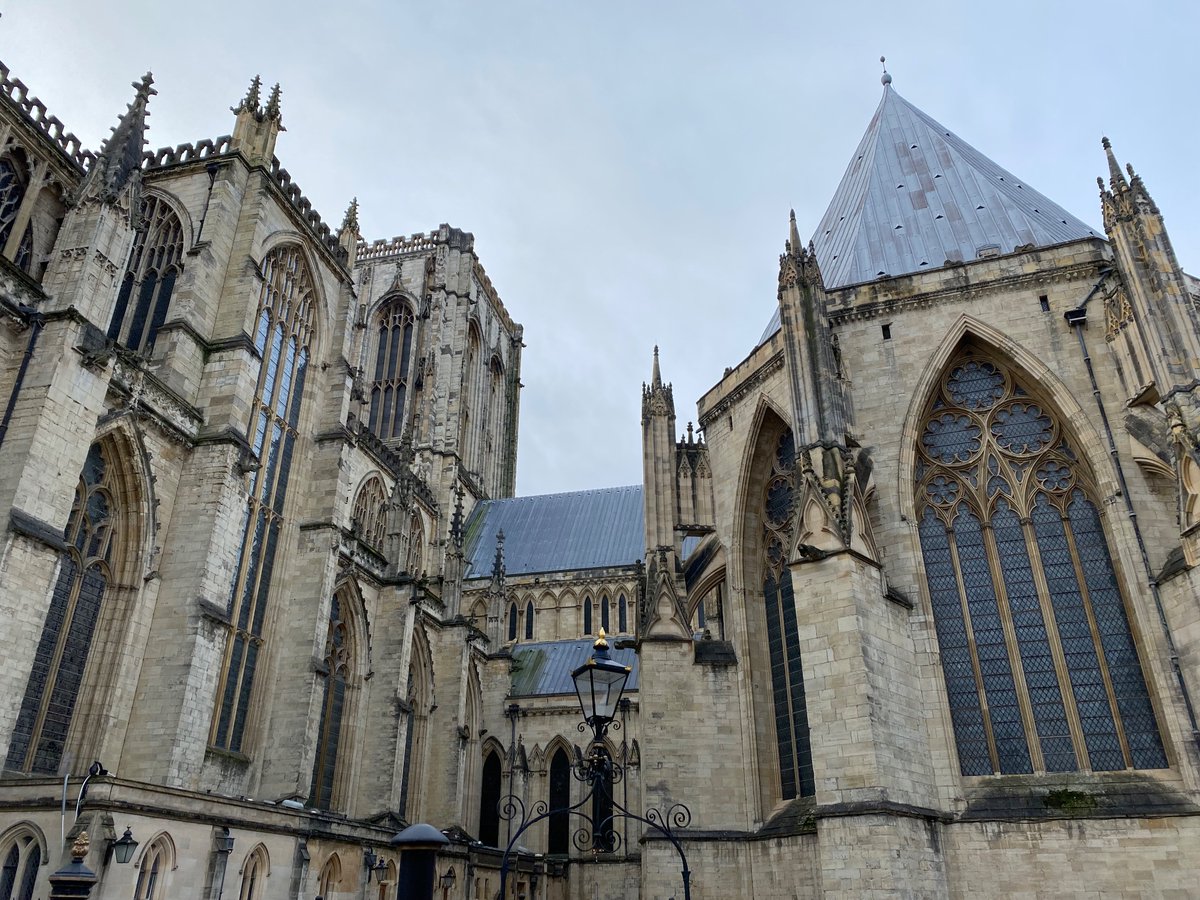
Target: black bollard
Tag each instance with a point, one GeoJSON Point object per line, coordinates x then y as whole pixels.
{"type": "Point", "coordinates": [74, 880]}
{"type": "Point", "coordinates": [418, 845]}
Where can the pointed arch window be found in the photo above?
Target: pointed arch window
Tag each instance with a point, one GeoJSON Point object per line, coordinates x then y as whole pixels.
{"type": "Point", "coordinates": [471, 375]}
{"type": "Point", "coordinates": [254, 872]}
{"type": "Point", "coordinates": [283, 337]}
{"type": "Point", "coordinates": [604, 618]}
{"type": "Point", "coordinates": [1040, 665]}
{"type": "Point", "coordinates": [416, 545]}
{"type": "Point", "coordinates": [489, 800]}
{"type": "Point", "coordinates": [587, 615]}
{"type": "Point", "coordinates": [370, 512]}
{"type": "Point", "coordinates": [19, 871]}
{"type": "Point", "coordinates": [84, 574]}
{"type": "Point", "coordinates": [622, 615]}
{"type": "Point", "coordinates": [512, 621]}
{"type": "Point", "coordinates": [157, 862]}
{"type": "Point", "coordinates": [339, 661]}
{"type": "Point", "coordinates": [529, 620]}
{"type": "Point", "coordinates": [330, 878]}
{"type": "Point", "coordinates": [154, 266]}
{"type": "Point", "coordinates": [14, 181]}
{"type": "Point", "coordinates": [783, 640]}
{"type": "Point", "coordinates": [559, 831]}
{"type": "Point", "coordinates": [393, 356]}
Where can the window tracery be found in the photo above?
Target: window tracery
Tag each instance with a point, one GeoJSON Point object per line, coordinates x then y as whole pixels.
{"type": "Point", "coordinates": [283, 337]}
{"type": "Point", "coordinates": [13, 184]}
{"type": "Point", "coordinates": [157, 861]}
{"type": "Point", "coordinates": [154, 266]}
{"type": "Point", "coordinates": [1040, 666]}
{"type": "Point", "coordinates": [369, 519]}
{"type": "Point", "coordinates": [19, 871]}
{"type": "Point", "coordinates": [339, 668]}
{"type": "Point", "coordinates": [393, 354]}
{"type": "Point", "coordinates": [85, 571]}
{"type": "Point", "coordinates": [783, 640]}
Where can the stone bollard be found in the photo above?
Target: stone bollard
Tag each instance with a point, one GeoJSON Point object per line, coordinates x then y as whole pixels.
{"type": "Point", "coordinates": [418, 845]}
{"type": "Point", "coordinates": [74, 880]}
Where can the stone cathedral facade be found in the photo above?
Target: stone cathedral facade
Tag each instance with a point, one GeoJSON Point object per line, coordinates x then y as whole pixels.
{"type": "Point", "coordinates": [915, 610]}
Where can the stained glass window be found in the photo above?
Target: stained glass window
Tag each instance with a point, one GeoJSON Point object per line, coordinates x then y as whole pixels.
{"type": "Point", "coordinates": [338, 663]}
{"type": "Point", "coordinates": [283, 334]}
{"type": "Point", "coordinates": [154, 266]}
{"type": "Point", "coordinates": [783, 639]}
{"type": "Point", "coordinates": [1040, 667]}
{"type": "Point", "coordinates": [60, 659]}
{"type": "Point", "coordinates": [393, 354]}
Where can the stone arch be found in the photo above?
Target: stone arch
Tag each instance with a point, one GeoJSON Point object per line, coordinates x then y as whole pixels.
{"type": "Point", "coordinates": [260, 851]}
{"type": "Point", "coordinates": [330, 877]}
{"type": "Point", "coordinates": [321, 307]}
{"type": "Point", "coordinates": [177, 207]}
{"type": "Point", "coordinates": [161, 840]}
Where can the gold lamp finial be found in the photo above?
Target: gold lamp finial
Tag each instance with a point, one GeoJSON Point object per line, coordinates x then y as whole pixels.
{"type": "Point", "coordinates": [601, 641]}
{"type": "Point", "coordinates": [82, 845]}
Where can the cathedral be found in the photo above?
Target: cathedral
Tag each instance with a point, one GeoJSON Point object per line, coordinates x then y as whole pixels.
{"type": "Point", "coordinates": [914, 611]}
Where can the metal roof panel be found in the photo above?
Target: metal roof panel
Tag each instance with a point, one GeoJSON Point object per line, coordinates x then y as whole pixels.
{"type": "Point", "coordinates": [544, 668]}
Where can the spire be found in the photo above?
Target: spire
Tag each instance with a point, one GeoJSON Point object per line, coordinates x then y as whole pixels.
{"type": "Point", "coordinates": [1116, 177]}
{"type": "Point", "coordinates": [121, 155]}
{"type": "Point", "coordinates": [656, 376]}
{"type": "Point", "coordinates": [793, 233]}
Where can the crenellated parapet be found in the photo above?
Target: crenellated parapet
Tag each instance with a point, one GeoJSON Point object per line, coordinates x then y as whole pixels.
{"type": "Point", "coordinates": [35, 112]}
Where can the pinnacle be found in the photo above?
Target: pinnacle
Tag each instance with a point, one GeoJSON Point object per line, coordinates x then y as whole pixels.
{"type": "Point", "coordinates": [250, 103]}
{"type": "Point", "coordinates": [656, 377]}
{"type": "Point", "coordinates": [272, 110]}
{"type": "Point", "coordinates": [351, 218]}
{"type": "Point", "coordinates": [1115, 175]}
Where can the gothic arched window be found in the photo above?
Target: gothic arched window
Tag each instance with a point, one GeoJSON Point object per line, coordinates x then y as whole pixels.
{"type": "Point", "coordinates": [19, 871]}
{"type": "Point", "coordinates": [339, 656]}
{"type": "Point", "coordinates": [154, 267]}
{"type": "Point", "coordinates": [559, 826]}
{"type": "Point", "coordinates": [416, 545]}
{"type": "Point", "coordinates": [85, 571]}
{"type": "Point", "coordinates": [13, 184]}
{"type": "Point", "coordinates": [369, 519]}
{"type": "Point", "coordinates": [1041, 669]}
{"type": "Point", "coordinates": [393, 352]}
{"type": "Point", "coordinates": [489, 800]}
{"type": "Point", "coordinates": [783, 639]}
{"type": "Point", "coordinates": [282, 337]}
{"type": "Point", "coordinates": [529, 620]}
{"type": "Point", "coordinates": [622, 615]}
{"type": "Point", "coordinates": [330, 878]}
{"type": "Point", "coordinates": [587, 615]}
{"type": "Point", "coordinates": [157, 861]}
{"type": "Point", "coordinates": [604, 619]}
{"type": "Point", "coordinates": [469, 400]}
{"type": "Point", "coordinates": [512, 621]}
{"type": "Point", "coordinates": [254, 872]}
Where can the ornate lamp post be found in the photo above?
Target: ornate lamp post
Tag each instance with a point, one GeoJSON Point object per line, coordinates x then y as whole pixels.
{"type": "Point", "coordinates": [599, 684]}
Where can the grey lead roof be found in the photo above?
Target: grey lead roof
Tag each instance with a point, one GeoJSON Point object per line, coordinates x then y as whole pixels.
{"type": "Point", "coordinates": [545, 668]}
{"type": "Point", "coordinates": [557, 532]}
{"type": "Point", "coordinates": [916, 196]}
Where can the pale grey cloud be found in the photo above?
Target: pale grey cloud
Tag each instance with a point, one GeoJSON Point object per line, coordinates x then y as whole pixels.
{"type": "Point", "coordinates": [627, 168]}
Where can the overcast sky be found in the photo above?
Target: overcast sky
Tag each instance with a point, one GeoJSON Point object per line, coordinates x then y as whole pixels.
{"type": "Point", "coordinates": [627, 167]}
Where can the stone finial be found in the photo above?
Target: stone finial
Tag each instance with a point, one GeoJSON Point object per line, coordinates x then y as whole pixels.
{"type": "Point", "coordinates": [794, 245]}
{"type": "Point", "coordinates": [121, 155]}
{"type": "Point", "coordinates": [350, 221]}
{"type": "Point", "coordinates": [250, 103]}
{"type": "Point", "coordinates": [1115, 176]}
{"type": "Point", "coordinates": [498, 562]}
{"type": "Point", "coordinates": [884, 79]}
{"type": "Point", "coordinates": [81, 847]}
{"type": "Point", "coordinates": [272, 111]}
{"type": "Point", "coordinates": [656, 374]}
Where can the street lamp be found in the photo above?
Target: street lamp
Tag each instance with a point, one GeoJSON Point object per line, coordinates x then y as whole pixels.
{"type": "Point", "coordinates": [123, 847]}
{"type": "Point", "coordinates": [599, 684]}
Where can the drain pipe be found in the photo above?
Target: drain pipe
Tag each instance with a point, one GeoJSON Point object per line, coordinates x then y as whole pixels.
{"type": "Point", "coordinates": [1077, 319]}
{"type": "Point", "coordinates": [37, 322]}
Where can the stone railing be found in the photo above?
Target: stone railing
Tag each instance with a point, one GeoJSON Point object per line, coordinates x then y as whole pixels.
{"type": "Point", "coordinates": [51, 126]}
{"type": "Point", "coordinates": [414, 243]}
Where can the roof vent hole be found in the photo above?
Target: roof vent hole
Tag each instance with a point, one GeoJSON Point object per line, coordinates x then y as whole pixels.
{"type": "Point", "coordinates": [980, 207]}
{"type": "Point", "coordinates": [940, 216]}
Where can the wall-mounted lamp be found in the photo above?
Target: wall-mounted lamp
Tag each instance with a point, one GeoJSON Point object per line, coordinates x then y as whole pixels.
{"type": "Point", "coordinates": [122, 848]}
{"type": "Point", "coordinates": [447, 880]}
{"type": "Point", "coordinates": [374, 863]}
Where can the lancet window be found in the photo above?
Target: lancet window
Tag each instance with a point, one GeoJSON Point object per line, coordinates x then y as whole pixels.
{"type": "Point", "coordinates": [1040, 665]}
{"type": "Point", "coordinates": [283, 336]}
{"type": "Point", "coordinates": [154, 266]}
{"type": "Point", "coordinates": [19, 871]}
{"type": "Point", "coordinates": [587, 615]}
{"type": "Point", "coordinates": [622, 615]}
{"type": "Point", "coordinates": [783, 639]}
{"type": "Point", "coordinates": [369, 519]}
{"type": "Point", "coordinates": [559, 825]}
{"type": "Point", "coordinates": [393, 355]}
{"type": "Point", "coordinates": [156, 863]}
{"type": "Point", "coordinates": [489, 800]}
{"type": "Point", "coordinates": [512, 621]}
{"type": "Point", "coordinates": [529, 620]}
{"type": "Point", "coordinates": [84, 575]}
{"type": "Point", "coordinates": [339, 662]}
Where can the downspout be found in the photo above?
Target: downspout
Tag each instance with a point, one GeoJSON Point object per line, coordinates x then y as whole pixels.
{"type": "Point", "coordinates": [1077, 319]}
{"type": "Point", "coordinates": [38, 322]}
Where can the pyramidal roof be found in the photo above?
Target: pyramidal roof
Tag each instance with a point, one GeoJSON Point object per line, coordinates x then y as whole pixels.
{"type": "Point", "coordinates": [917, 196]}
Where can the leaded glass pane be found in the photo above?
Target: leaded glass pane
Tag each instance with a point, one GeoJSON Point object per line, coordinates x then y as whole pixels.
{"type": "Point", "coordinates": [1040, 594]}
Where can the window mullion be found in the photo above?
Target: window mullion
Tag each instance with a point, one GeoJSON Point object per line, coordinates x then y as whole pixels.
{"type": "Point", "coordinates": [1065, 688]}
{"type": "Point", "coordinates": [1094, 627]}
{"type": "Point", "coordinates": [985, 712]}
{"type": "Point", "coordinates": [1016, 663]}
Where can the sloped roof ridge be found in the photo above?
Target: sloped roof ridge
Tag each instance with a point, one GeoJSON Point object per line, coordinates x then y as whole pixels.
{"type": "Point", "coordinates": [604, 490]}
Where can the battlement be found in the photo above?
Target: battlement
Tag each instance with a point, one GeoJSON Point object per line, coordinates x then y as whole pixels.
{"type": "Point", "coordinates": [166, 156]}
{"type": "Point", "coordinates": [397, 246]}
{"type": "Point", "coordinates": [51, 126]}
{"type": "Point", "coordinates": [304, 207]}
